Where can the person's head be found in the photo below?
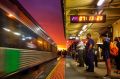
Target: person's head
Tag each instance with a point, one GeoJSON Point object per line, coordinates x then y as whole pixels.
{"type": "Point", "coordinates": [104, 36]}
{"type": "Point", "coordinates": [116, 39]}
{"type": "Point", "coordinates": [119, 39]}
{"type": "Point", "coordinates": [88, 36]}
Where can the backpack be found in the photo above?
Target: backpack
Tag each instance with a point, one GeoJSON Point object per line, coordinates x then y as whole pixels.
{"type": "Point", "coordinates": [113, 49]}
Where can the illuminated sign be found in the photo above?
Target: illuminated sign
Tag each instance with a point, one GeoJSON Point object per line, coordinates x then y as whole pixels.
{"type": "Point", "coordinates": [87, 18]}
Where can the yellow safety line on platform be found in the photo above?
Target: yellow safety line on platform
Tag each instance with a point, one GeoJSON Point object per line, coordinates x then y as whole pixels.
{"type": "Point", "coordinates": [48, 77]}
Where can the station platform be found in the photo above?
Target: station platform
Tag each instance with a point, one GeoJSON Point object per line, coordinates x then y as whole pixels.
{"type": "Point", "coordinates": [67, 68]}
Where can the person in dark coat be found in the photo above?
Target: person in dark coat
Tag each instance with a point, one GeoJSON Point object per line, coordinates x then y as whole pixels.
{"type": "Point", "coordinates": [106, 55]}
{"type": "Point", "coordinates": [89, 53]}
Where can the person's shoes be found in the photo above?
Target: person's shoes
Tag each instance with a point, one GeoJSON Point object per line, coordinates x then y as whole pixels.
{"type": "Point", "coordinates": [88, 70]}
{"type": "Point", "coordinates": [107, 77]}
{"type": "Point", "coordinates": [80, 65]}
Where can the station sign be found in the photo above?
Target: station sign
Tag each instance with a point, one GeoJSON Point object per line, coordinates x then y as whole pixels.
{"type": "Point", "coordinates": [87, 18]}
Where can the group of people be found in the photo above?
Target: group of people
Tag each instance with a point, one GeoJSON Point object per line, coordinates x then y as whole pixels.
{"type": "Point", "coordinates": [62, 53]}
{"type": "Point", "coordinates": [90, 56]}
{"type": "Point", "coordinates": [110, 52]}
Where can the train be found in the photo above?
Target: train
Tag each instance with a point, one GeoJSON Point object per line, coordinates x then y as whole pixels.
{"type": "Point", "coordinates": [23, 42]}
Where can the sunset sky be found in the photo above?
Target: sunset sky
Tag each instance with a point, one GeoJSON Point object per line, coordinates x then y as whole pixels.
{"type": "Point", "coordinates": [48, 14]}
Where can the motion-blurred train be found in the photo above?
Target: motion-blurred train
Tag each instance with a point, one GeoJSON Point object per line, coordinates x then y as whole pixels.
{"type": "Point", "coordinates": [23, 43]}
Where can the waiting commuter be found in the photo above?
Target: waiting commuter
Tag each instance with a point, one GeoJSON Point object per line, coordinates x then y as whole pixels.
{"type": "Point", "coordinates": [106, 54]}
{"type": "Point", "coordinates": [89, 53]}
{"type": "Point", "coordinates": [80, 48]}
{"type": "Point", "coordinates": [117, 58]}
{"type": "Point", "coordinates": [59, 53]}
{"type": "Point", "coordinates": [96, 57]}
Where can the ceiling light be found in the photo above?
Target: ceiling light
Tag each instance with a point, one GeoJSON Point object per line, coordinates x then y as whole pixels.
{"type": "Point", "coordinates": [8, 30]}
{"type": "Point", "coordinates": [72, 37]}
{"type": "Point", "coordinates": [79, 35]}
{"type": "Point", "coordinates": [84, 27]}
{"type": "Point", "coordinates": [18, 34]}
{"type": "Point", "coordinates": [77, 38]}
{"type": "Point", "coordinates": [28, 37]}
{"type": "Point", "coordinates": [84, 30]}
{"type": "Point", "coordinates": [10, 15]}
{"type": "Point", "coordinates": [81, 32]}
{"type": "Point", "coordinates": [23, 39]}
{"type": "Point", "coordinates": [100, 2]}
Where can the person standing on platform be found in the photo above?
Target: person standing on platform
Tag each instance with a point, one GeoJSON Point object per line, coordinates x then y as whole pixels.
{"type": "Point", "coordinates": [106, 55]}
{"type": "Point", "coordinates": [80, 48]}
{"type": "Point", "coordinates": [117, 58]}
{"type": "Point", "coordinates": [89, 53]}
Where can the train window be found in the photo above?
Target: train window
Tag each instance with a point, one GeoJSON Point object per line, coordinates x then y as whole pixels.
{"type": "Point", "coordinates": [14, 34]}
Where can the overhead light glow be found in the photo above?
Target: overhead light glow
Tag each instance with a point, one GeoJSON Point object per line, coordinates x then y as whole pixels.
{"type": "Point", "coordinates": [84, 27]}
{"type": "Point", "coordinates": [81, 32]}
{"type": "Point", "coordinates": [8, 30]}
{"type": "Point", "coordinates": [18, 34]}
{"type": "Point", "coordinates": [77, 38]}
{"type": "Point", "coordinates": [23, 39]}
{"type": "Point", "coordinates": [100, 2]}
{"type": "Point", "coordinates": [10, 15]}
{"type": "Point", "coordinates": [40, 42]}
{"type": "Point", "coordinates": [72, 37]}
{"type": "Point", "coordinates": [84, 30]}
{"type": "Point", "coordinates": [79, 35]}
{"type": "Point", "coordinates": [28, 37]}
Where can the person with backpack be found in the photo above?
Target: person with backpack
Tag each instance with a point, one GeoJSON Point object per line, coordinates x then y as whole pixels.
{"type": "Point", "coordinates": [117, 57]}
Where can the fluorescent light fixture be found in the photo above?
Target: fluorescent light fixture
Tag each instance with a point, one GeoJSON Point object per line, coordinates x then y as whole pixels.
{"type": "Point", "coordinates": [77, 38]}
{"type": "Point", "coordinates": [28, 37]}
{"type": "Point", "coordinates": [8, 30]}
{"type": "Point", "coordinates": [100, 2]}
{"type": "Point", "coordinates": [72, 37]}
{"type": "Point", "coordinates": [79, 35]}
{"type": "Point", "coordinates": [84, 27]}
{"type": "Point", "coordinates": [81, 32]}
{"type": "Point", "coordinates": [18, 34]}
{"type": "Point", "coordinates": [100, 12]}
{"type": "Point", "coordinates": [84, 30]}
{"type": "Point", "coordinates": [23, 39]}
